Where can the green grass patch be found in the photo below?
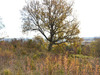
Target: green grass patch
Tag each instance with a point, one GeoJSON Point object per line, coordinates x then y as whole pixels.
{"type": "Point", "coordinates": [80, 56]}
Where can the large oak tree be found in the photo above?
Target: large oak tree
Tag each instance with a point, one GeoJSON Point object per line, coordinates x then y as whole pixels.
{"type": "Point", "coordinates": [52, 18]}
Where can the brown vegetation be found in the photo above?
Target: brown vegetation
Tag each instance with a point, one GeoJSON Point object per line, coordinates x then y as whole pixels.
{"type": "Point", "coordinates": [31, 57]}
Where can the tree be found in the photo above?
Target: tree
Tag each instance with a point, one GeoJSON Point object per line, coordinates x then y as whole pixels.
{"type": "Point", "coordinates": [52, 18]}
{"type": "Point", "coordinates": [95, 47]}
{"type": "Point", "coordinates": [1, 24]}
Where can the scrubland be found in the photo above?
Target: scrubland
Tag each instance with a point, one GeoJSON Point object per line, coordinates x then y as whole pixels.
{"type": "Point", "coordinates": [31, 57]}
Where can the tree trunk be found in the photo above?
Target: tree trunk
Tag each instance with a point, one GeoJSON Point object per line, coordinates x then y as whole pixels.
{"type": "Point", "coordinates": [50, 47]}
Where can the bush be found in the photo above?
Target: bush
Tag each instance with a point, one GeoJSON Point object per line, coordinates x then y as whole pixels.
{"type": "Point", "coordinates": [95, 48]}
{"type": "Point", "coordinates": [6, 72]}
{"type": "Point", "coordinates": [79, 50]}
{"type": "Point", "coordinates": [61, 48]}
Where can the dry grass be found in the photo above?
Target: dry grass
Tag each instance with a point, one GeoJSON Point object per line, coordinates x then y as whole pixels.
{"type": "Point", "coordinates": [50, 65]}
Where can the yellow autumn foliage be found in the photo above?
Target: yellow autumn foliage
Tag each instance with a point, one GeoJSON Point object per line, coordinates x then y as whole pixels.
{"type": "Point", "coordinates": [60, 47]}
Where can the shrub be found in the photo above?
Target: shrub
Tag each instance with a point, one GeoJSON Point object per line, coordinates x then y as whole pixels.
{"type": "Point", "coordinates": [61, 48]}
{"type": "Point", "coordinates": [6, 72]}
{"type": "Point", "coordinates": [79, 50]}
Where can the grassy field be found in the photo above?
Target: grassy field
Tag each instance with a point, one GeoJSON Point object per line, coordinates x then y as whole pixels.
{"type": "Point", "coordinates": [32, 58]}
{"type": "Point", "coordinates": [48, 64]}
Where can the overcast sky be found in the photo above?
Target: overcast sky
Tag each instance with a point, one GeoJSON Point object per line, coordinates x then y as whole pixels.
{"type": "Point", "coordinates": [87, 11]}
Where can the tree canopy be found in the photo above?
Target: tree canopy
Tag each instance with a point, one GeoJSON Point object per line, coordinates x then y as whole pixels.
{"type": "Point", "coordinates": [52, 18]}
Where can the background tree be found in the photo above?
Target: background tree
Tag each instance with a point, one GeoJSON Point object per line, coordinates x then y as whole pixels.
{"type": "Point", "coordinates": [1, 26]}
{"type": "Point", "coordinates": [95, 47]}
{"type": "Point", "coordinates": [52, 18]}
